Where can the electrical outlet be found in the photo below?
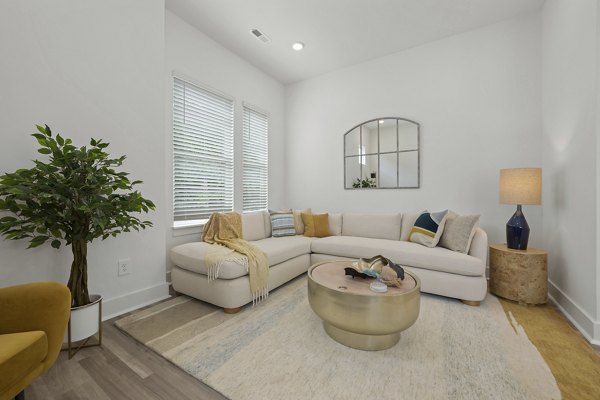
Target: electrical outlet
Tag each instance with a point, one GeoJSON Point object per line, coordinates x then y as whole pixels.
{"type": "Point", "coordinates": [124, 266]}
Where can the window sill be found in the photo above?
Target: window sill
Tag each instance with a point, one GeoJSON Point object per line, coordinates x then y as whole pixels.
{"type": "Point", "coordinates": [192, 227]}
{"type": "Point", "coordinates": [189, 224]}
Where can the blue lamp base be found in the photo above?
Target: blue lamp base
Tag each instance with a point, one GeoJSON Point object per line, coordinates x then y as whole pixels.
{"type": "Point", "coordinates": [517, 231]}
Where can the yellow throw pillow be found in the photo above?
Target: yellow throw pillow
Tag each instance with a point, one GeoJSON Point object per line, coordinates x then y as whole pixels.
{"type": "Point", "coordinates": [316, 225]}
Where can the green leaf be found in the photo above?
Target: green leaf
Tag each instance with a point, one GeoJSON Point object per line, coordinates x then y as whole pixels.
{"type": "Point", "coordinates": [60, 140]}
{"type": "Point", "coordinates": [55, 244]}
{"type": "Point", "coordinates": [44, 151]}
{"type": "Point", "coordinates": [37, 241]}
{"type": "Point", "coordinates": [15, 190]}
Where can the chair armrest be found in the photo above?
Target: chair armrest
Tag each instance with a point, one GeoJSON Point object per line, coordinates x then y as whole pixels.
{"type": "Point", "coordinates": [40, 306]}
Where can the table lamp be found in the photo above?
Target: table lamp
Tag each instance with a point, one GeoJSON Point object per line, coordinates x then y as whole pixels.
{"type": "Point", "coordinates": [519, 186]}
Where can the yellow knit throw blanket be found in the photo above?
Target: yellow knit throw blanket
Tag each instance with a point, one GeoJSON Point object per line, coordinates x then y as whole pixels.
{"type": "Point", "coordinates": [225, 231]}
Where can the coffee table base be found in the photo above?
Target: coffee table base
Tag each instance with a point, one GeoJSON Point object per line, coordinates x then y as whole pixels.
{"type": "Point", "coordinates": [359, 341]}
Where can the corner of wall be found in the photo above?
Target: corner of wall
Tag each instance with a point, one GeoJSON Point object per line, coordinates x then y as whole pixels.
{"type": "Point", "coordinates": [119, 305]}
{"type": "Point", "coordinates": [585, 323]}
{"type": "Point", "coordinates": [597, 330]}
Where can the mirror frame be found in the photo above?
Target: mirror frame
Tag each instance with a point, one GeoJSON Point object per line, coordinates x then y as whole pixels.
{"type": "Point", "coordinates": [378, 154]}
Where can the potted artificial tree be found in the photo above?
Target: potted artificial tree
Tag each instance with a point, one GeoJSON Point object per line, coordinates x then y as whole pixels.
{"type": "Point", "coordinates": [76, 197]}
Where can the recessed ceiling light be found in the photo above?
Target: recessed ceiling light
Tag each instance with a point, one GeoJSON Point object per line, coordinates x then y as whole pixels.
{"type": "Point", "coordinates": [298, 46]}
{"type": "Point", "coordinates": [381, 121]}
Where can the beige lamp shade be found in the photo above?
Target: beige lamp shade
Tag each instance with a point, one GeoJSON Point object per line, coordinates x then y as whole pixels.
{"type": "Point", "coordinates": [521, 186]}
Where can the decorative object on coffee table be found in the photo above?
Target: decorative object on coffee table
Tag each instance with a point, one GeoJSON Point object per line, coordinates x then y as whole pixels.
{"type": "Point", "coordinates": [373, 267]}
{"type": "Point", "coordinates": [519, 275]}
{"type": "Point", "coordinates": [519, 186]}
{"type": "Point", "coordinates": [357, 317]}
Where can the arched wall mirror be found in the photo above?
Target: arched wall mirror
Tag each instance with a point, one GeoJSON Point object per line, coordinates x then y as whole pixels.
{"type": "Point", "coordinates": [382, 153]}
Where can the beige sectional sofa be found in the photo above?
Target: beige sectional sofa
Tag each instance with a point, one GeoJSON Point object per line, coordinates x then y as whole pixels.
{"type": "Point", "coordinates": [442, 271]}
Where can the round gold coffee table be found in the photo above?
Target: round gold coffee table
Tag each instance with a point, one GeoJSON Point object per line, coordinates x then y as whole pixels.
{"type": "Point", "coordinates": [353, 314]}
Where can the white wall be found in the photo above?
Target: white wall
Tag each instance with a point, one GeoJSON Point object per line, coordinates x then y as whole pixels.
{"type": "Point", "coordinates": [88, 68]}
{"type": "Point", "coordinates": [597, 322]}
{"type": "Point", "coordinates": [477, 97]}
{"type": "Point", "coordinates": [194, 54]}
{"type": "Point", "coordinates": [570, 150]}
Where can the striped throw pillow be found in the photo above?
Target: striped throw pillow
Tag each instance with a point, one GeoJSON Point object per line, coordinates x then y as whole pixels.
{"type": "Point", "coordinates": [282, 224]}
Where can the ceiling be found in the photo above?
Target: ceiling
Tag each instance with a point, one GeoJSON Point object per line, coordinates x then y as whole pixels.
{"type": "Point", "coordinates": [336, 33]}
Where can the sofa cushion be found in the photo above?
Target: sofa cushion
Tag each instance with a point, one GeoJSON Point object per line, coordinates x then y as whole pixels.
{"type": "Point", "coordinates": [404, 253]}
{"type": "Point", "coordinates": [298, 224]}
{"type": "Point", "coordinates": [335, 224]}
{"type": "Point", "coordinates": [20, 354]}
{"type": "Point", "coordinates": [280, 249]}
{"type": "Point", "coordinates": [377, 226]}
{"type": "Point", "coordinates": [190, 256]}
{"type": "Point", "coordinates": [408, 220]}
{"type": "Point", "coordinates": [253, 225]}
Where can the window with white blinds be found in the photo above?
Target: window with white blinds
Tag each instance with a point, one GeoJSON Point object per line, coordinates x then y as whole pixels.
{"type": "Point", "coordinates": [202, 152]}
{"type": "Point", "coordinates": [255, 160]}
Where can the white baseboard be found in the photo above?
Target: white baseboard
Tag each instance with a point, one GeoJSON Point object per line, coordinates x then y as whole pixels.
{"type": "Point", "coordinates": [585, 323]}
{"type": "Point", "coordinates": [131, 301]}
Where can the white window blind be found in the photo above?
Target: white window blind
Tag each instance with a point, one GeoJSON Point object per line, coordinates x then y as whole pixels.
{"type": "Point", "coordinates": [202, 152]}
{"type": "Point", "coordinates": [255, 160]}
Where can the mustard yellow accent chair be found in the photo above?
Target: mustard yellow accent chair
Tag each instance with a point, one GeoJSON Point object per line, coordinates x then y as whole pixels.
{"type": "Point", "coordinates": [33, 319]}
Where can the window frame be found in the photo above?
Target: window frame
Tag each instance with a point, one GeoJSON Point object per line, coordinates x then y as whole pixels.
{"type": "Point", "coordinates": [266, 115]}
{"type": "Point", "coordinates": [186, 224]}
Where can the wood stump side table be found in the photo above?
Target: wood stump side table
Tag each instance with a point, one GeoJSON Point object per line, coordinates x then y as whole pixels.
{"type": "Point", "coordinates": [519, 275]}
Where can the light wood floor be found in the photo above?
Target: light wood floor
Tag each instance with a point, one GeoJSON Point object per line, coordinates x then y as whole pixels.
{"type": "Point", "coordinates": [574, 363]}
{"type": "Point", "coordinates": [124, 369]}
{"type": "Point", "coordinates": [120, 369]}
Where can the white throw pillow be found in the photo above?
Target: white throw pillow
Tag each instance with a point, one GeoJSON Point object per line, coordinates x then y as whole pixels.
{"type": "Point", "coordinates": [298, 224]}
{"type": "Point", "coordinates": [408, 221]}
{"type": "Point", "coordinates": [335, 223]}
{"type": "Point", "coordinates": [253, 225]}
{"type": "Point", "coordinates": [458, 232]}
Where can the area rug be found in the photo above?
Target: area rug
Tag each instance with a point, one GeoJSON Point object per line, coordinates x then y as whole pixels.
{"type": "Point", "coordinates": [279, 350]}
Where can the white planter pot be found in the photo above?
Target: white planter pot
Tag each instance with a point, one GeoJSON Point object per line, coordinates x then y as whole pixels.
{"type": "Point", "coordinates": [85, 320]}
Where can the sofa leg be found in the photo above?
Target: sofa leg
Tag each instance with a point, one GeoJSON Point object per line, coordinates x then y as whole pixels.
{"type": "Point", "coordinates": [232, 310]}
{"type": "Point", "coordinates": [472, 303]}
{"type": "Point", "coordinates": [20, 396]}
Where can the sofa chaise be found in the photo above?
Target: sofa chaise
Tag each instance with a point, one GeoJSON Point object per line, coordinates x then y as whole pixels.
{"type": "Point", "coordinates": [442, 272]}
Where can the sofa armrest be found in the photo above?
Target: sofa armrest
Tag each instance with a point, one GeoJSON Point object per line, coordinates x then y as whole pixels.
{"type": "Point", "coordinates": [479, 245]}
{"type": "Point", "coordinates": [39, 306]}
